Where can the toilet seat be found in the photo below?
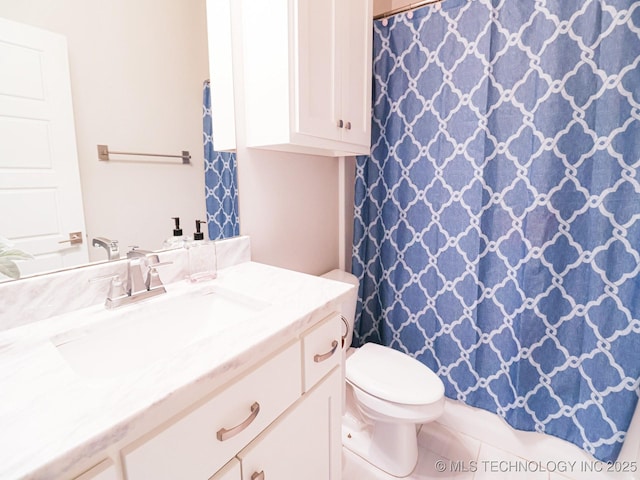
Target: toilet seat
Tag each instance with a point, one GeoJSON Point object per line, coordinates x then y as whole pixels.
{"type": "Point", "coordinates": [391, 375]}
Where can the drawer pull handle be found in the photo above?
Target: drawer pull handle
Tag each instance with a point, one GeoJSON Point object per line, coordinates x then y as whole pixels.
{"type": "Point", "coordinates": [224, 434]}
{"type": "Point", "coordinates": [258, 475]}
{"type": "Point", "coordinates": [321, 358]}
{"type": "Point", "coordinates": [346, 331]}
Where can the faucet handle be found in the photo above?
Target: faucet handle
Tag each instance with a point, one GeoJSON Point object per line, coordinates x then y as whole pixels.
{"type": "Point", "coordinates": [152, 279]}
{"type": "Point", "coordinates": [116, 288]}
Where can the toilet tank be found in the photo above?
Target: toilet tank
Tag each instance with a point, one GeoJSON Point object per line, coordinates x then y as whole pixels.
{"type": "Point", "coordinates": [348, 307]}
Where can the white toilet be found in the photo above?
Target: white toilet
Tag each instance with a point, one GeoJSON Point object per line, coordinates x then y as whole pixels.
{"type": "Point", "coordinates": [388, 394]}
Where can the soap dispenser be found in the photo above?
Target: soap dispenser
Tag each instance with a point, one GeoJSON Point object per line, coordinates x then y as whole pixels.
{"type": "Point", "coordinates": [202, 256]}
{"type": "Point", "coordinates": [177, 240]}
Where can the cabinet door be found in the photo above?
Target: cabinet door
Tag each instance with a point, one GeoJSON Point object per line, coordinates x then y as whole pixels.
{"type": "Point", "coordinates": [304, 443]}
{"type": "Point", "coordinates": [317, 94]}
{"type": "Point", "coordinates": [321, 350]}
{"type": "Point", "coordinates": [356, 50]}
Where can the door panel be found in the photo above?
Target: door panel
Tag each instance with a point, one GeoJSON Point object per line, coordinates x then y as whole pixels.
{"type": "Point", "coordinates": [318, 86]}
{"type": "Point", "coordinates": [356, 76]}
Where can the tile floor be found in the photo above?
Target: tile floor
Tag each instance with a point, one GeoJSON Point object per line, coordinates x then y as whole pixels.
{"type": "Point", "coordinates": [447, 453]}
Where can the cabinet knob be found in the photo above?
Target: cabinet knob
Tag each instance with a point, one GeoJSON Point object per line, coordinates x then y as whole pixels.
{"type": "Point", "coordinates": [348, 126]}
{"type": "Point", "coordinates": [340, 123]}
{"type": "Point", "coordinates": [258, 476]}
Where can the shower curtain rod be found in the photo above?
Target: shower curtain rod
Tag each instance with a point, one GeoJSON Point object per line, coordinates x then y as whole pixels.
{"type": "Point", "coordinates": [411, 6]}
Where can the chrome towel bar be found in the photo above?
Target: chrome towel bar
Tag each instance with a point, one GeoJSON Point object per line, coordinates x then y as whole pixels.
{"type": "Point", "coordinates": [104, 152]}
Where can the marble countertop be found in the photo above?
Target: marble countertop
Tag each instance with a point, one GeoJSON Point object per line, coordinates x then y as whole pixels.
{"type": "Point", "coordinates": [52, 419]}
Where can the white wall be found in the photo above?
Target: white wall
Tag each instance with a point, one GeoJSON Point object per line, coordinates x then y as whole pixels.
{"type": "Point", "coordinates": [136, 74]}
{"type": "Point", "coordinates": [349, 193]}
{"type": "Point", "coordinates": [289, 207]}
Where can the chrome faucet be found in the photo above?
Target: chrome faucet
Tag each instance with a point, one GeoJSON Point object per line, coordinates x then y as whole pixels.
{"type": "Point", "coordinates": [141, 271]}
{"type": "Point", "coordinates": [111, 246]}
{"type": "Point", "coordinates": [142, 281]}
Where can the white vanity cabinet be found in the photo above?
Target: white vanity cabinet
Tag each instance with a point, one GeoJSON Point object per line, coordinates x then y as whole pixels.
{"type": "Point", "coordinates": [201, 441]}
{"type": "Point", "coordinates": [305, 75]}
{"type": "Point", "coordinates": [252, 382]}
{"type": "Point", "coordinates": [283, 417]}
{"type": "Point", "coordinates": [304, 443]}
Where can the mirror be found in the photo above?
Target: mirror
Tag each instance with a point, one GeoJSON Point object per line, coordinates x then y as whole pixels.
{"type": "Point", "coordinates": [137, 72]}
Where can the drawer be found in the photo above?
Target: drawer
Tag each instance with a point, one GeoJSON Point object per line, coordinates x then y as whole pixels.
{"type": "Point", "coordinates": [199, 443]}
{"type": "Point", "coordinates": [321, 350]}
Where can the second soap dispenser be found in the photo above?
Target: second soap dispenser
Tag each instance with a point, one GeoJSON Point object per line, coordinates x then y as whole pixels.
{"type": "Point", "coordinates": [177, 240]}
{"type": "Point", "coordinates": [202, 256]}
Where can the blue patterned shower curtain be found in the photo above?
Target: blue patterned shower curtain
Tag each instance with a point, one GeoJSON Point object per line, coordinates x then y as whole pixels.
{"type": "Point", "coordinates": [497, 220]}
{"type": "Point", "coordinates": [221, 187]}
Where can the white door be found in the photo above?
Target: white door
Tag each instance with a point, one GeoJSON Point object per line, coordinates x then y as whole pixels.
{"type": "Point", "coordinates": [40, 196]}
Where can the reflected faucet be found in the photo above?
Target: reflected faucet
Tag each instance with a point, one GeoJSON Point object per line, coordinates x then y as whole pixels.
{"type": "Point", "coordinates": [135, 252]}
{"type": "Point", "coordinates": [111, 246]}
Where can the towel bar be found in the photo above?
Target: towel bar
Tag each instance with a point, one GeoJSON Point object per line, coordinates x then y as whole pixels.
{"type": "Point", "coordinates": [104, 152]}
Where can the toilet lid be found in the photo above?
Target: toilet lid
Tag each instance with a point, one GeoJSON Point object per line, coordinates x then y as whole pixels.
{"type": "Point", "coordinates": [393, 376]}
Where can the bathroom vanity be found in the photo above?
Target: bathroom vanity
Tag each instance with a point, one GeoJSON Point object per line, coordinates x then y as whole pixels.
{"type": "Point", "coordinates": [236, 378]}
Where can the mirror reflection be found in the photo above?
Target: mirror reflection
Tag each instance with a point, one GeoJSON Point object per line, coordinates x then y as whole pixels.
{"type": "Point", "coordinates": [134, 76]}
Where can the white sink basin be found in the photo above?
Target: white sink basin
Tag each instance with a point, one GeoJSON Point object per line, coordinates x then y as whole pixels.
{"type": "Point", "coordinates": [139, 335]}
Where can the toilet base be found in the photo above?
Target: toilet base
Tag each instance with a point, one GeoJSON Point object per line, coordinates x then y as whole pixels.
{"type": "Point", "coordinates": [391, 447]}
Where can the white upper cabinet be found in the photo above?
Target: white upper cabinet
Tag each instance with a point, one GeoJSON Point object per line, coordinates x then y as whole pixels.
{"type": "Point", "coordinates": [304, 75]}
{"type": "Point", "coordinates": [221, 74]}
